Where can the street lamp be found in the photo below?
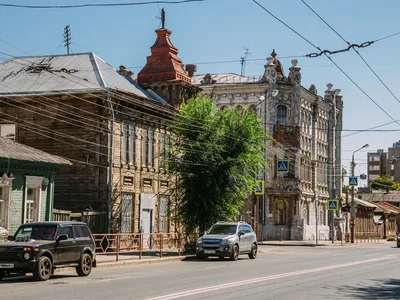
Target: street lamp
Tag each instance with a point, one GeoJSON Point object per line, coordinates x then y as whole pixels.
{"type": "Point", "coordinates": [352, 211]}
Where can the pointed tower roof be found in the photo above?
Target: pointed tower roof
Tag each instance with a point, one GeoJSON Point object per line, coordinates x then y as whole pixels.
{"type": "Point", "coordinates": [163, 64]}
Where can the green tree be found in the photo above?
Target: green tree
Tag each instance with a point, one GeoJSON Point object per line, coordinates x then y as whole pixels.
{"type": "Point", "coordinates": [216, 155]}
{"type": "Point", "coordinates": [384, 182]}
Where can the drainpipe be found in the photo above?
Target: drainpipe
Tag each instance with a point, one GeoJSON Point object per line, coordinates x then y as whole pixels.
{"type": "Point", "coordinates": [110, 165]}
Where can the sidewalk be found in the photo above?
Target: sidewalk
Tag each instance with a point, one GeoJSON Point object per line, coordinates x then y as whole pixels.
{"type": "Point", "coordinates": [320, 243]}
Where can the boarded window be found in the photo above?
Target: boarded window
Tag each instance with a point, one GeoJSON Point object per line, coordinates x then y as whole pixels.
{"type": "Point", "coordinates": [164, 215]}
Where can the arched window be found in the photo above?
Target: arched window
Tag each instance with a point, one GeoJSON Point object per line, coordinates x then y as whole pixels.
{"type": "Point", "coordinates": [281, 115]}
{"type": "Point", "coordinates": [280, 212]}
{"type": "Point", "coordinates": [239, 107]}
{"type": "Point", "coordinates": [224, 107]}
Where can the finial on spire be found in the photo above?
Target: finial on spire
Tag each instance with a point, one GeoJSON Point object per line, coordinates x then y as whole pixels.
{"type": "Point", "coordinates": [273, 54]}
{"type": "Point", "coordinates": [162, 18]}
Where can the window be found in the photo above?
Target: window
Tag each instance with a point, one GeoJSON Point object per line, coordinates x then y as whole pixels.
{"type": "Point", "coordinates": [374, 168]}
{"type": "Point", "coordinates": [81, 231]}
{"type": "Point", "coordinates": [253, 108]}
{"type": "Point", "coordinates": [163, 215]}
{"type": "Point", "coordinates": [66, 230]}
{"type": "Point", "coordinates": [165, 144]}
{"type": "Point", "coordinates": [148, 147]}
{"type": "Point", "coordinates": [4, 200]}
{"type": "Point", "coordinates": [280, 212]}
{"type": "Point", "coordinates": [32, 196]}
{"type": "Point", "coordinates": [281, 115]}
{"type": "Point", "coordinates": [374, 158]}
{"type": "Point", "coordinates": [7, 131]}
{"type": "Point", "coordinates": [127, 212]}
{"type": "Point", "coordinates": [36, 232]}
{"type": "Point", "coordinates": [128, 144]}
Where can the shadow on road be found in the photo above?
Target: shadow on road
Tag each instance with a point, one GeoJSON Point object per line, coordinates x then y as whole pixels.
{"type": "Point", "coordinates": [373, 289]}
{"type": "Point", "coordinates": [210, 259]}
{"type": "Point", "coordinates": [15, 279]}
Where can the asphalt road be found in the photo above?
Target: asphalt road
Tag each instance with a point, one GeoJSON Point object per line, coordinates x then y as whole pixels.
{"type": "Point", "coordinates": [364, 272]}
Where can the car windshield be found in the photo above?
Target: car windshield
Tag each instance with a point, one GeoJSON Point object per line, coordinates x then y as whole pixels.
{"type": "Point", "coordinates": [223, 229]}
{"type": "Point", "coordinates": [35, 232]}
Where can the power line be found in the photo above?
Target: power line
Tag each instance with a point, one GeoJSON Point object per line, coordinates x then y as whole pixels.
{"type": "Point", "coordinates": [96, 4]}
{"type": "Point", "coordinates": [351, 46]}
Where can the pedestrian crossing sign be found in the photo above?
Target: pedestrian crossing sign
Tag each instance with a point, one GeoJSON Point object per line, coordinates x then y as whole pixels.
{"type": "Point", "coordinates": [282, 166]}
{"type": "Point", "coordinates": [260, 187]}
{"type": "Point", "coordinates": [353, 181]}
{"type": "Point", "coordinates": [333, 204]}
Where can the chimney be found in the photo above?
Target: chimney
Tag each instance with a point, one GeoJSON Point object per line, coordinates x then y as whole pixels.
{"type": "Point", "coordinates": [191, 69]}
{"type": "Point", "coordinates": [123, 71]}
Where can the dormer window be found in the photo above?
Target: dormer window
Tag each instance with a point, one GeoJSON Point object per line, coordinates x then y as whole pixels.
{"type": "Point", "coordinates": [281, 115]}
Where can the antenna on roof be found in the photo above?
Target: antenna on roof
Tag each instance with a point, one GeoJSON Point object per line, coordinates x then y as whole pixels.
{"type": "Point", "coordinates": [67, 37]}
{"type": "Point", "coordinates": [243, 61]}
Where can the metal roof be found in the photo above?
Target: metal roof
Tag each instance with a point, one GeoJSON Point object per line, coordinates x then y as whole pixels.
{"type": "Point", "coordinates": [73, 73]}
{"type": "Point", "coordinates": [226, 78]}
{"type": "Point", "coordinates": [13, 150]}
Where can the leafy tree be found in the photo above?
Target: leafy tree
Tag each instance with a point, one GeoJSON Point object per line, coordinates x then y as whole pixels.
{"type": "Point", "coordinates": [384, 182]}
{"type": "Point", "coordinates": [216, 155]}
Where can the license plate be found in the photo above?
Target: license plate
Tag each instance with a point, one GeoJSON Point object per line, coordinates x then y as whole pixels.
{"type": "Point", "coordinates": [209, 251]}
{"type": "Point", "coordinates": [6, 266]}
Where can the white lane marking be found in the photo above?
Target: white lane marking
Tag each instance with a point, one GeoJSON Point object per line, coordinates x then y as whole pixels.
{"type": "Point", "coordinates": [113, 279]}
{"type": "Point", "coordinates": [215, 267]}
{"type": "Point", "coordinates": [267, 278]}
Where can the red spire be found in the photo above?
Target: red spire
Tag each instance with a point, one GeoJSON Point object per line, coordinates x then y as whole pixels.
{"type": "Point", "coordinates": [163, 64]}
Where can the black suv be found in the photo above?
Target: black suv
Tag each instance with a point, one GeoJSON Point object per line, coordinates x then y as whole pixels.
{"type": "Point", "coordinates": [40, 248]}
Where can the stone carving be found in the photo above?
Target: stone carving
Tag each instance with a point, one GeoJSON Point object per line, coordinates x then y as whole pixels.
{"type": "Point", "coordinates": [279, 69]}
{"type": "Point", "coordinates": [208, 79]}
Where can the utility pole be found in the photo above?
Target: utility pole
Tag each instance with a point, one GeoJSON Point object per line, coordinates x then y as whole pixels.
{"type": "Point", "coordinates": [316, 215]}
{"type": "Point", "coordinates": [67, 37]}
{"type": "Point", "coordinates": [243, 61]}
{"type": "Point", "coordinates": [353, 206]}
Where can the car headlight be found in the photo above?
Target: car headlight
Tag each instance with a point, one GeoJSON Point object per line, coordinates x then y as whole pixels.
{"type": "Point", "coordinates": [200, 241]}
{"type": "Point", "coordinates": [27, 256]}
{"type": "Point", "coordinates": [227, 242]}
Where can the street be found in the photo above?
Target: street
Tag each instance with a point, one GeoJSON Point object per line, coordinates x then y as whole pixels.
{"type": "Point", "coordinates": [361, 272]}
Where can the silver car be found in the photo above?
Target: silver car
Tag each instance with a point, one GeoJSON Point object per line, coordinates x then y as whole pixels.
{"type": "Point", "coordinates": [225, 239]}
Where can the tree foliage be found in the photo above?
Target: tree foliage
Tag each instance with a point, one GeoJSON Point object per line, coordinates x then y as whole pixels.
{"type": "Point", "coordinates": [216, 155]}
{"type": "Point", "coordinates": [384, 182]}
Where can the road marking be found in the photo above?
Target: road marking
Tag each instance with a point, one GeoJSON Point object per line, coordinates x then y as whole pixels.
{"type": "Point", "coordinates": [267, 278]}
{"type": "Point", "coordinates": [113, 279]}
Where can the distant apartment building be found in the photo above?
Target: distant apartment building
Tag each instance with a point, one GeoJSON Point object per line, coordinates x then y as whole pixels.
{"type": "Point", "coordinates": [394, 162]}
{"type": "Point", "coordinates": [377, 164]}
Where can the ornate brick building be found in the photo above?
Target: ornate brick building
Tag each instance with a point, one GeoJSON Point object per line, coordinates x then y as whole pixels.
{"type": "Point", "coordinates": [306, 131]}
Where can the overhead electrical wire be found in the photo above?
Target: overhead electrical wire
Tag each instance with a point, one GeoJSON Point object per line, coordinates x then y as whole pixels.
{"type": "Point", "coordinates": [96, 4]}
{"type": "Point", "coordinates": [337, 66]}
{"type": "Point", "coordinates": [358, 53]}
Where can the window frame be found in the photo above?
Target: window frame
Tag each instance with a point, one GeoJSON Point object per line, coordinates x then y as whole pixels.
{"type": "Point", "coordinates": [279, 109]}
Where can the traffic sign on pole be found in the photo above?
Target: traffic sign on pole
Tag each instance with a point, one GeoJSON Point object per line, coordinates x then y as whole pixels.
{"type": "Point", "coordinates": [353, 181]}
{"type": "Point", "coordinates": [260, 187]}
{"type": "Point", "coordinates": [282, 166]}
{"type": "Point", "coordinates": [333, 204]}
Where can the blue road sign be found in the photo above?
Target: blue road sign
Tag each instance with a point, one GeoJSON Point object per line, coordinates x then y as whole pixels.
{"type": "Point", "coordinates": [353, 181]}
{"type": "Point", "coordinates": [260, 187]}
{"type": "Point", "coordinates": [333, 204]}
{"type": "Point", "coordinates": [282, 165]}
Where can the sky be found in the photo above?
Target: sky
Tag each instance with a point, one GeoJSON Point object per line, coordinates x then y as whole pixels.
{"type": "Point", "coordinates": [219, 30]}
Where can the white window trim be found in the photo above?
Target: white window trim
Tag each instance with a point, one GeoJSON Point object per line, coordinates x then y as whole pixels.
{"type": "Point", "coordinates": [8, 206]}
{"type": "Point", "coordinates": [33, 182]}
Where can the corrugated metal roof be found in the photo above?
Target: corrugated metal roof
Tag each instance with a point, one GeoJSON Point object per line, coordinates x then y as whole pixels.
{"type": "Point", "coordinates": [13, 150]}
{"type": "Point", "coordinates": [74, 73]}
{"type": "Point", "coordinates": [225, 78]}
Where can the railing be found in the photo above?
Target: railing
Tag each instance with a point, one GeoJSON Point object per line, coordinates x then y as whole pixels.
{"type": "Point", "coordinates": [366, 237]}
{"type": "Point", "coordinates": [138, 243]}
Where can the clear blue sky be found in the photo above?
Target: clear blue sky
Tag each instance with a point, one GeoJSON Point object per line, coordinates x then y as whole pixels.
{"type": "Point", "coordinates": [219, 29]}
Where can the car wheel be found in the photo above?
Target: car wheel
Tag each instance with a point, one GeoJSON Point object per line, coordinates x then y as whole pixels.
{"type": "Point", "coordinates": [253, 252]}
{"type": "Point", "coordinates": [398, 245]}
{"type": "Point", "coordinates": [42, 271]}
{"type": "Point", "coordinates": [235, 253]}
{"type": "Point", "coordinates": [85, 265]}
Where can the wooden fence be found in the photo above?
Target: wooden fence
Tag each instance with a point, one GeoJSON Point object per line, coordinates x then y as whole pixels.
{"type": "Point", "coordinates": [96, 220]}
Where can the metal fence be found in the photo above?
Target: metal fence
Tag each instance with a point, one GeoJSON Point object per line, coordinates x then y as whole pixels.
{"type": "Point", "coordinates": [366, 237]}
{"type": "Point", "coordinates": [138, 243]}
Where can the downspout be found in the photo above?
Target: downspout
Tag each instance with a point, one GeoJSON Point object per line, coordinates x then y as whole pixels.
{"type": "Point", "coordinates": [110, 165]}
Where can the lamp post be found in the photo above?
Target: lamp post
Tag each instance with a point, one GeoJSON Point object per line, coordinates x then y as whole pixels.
{"type": "Point", "coordinates": [352, 211]}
